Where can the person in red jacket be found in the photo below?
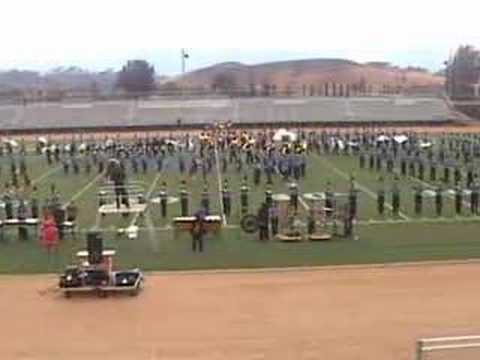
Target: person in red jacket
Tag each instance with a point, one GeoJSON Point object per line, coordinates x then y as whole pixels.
{"type": "Point", "coordinates": [49, 237]}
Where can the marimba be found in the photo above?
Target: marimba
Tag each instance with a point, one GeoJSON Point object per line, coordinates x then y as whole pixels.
{"type": "Point", "coordinates": [211, 223]}
{"type": "Point", "coordinates": [30, 222]}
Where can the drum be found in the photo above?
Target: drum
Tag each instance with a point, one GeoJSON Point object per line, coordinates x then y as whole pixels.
{"type": "Point", "coordinates": [249, 224]}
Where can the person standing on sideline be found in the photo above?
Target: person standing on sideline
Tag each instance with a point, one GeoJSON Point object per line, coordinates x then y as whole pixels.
{"type": "Point", "coordinates": [49, 238]}
{"type": "Point", "coordinates": [262, 216]}
{"type": "Point", "coordinates": [273, 216]}
{"type": "Point", "coordinates": [198, 231]}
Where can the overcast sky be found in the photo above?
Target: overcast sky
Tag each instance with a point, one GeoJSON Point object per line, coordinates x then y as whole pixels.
{"type": "Point", "coordinates": [98, 34]}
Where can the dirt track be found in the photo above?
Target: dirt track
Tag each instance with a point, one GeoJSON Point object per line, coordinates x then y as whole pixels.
{"type": "Point", "coordinates": [326, 314]}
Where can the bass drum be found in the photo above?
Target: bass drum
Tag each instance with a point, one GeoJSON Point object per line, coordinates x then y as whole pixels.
{"type": "Point", "coordinates": [249, 224]}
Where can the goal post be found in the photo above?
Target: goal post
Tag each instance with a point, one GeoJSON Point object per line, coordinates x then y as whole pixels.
{"type": "Point", "coordinates": [443, 348]}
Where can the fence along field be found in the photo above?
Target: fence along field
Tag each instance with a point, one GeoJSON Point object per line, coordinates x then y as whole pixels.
{"type": "Point", "coordinates": [449, 348]}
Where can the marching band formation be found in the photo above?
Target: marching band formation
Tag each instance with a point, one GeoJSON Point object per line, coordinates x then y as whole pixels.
{"type": "Point", "coordinates": [443, 165]}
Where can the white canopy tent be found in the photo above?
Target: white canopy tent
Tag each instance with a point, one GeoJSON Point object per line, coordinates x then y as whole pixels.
{"type": "Point", "coordinates": [284, 135]}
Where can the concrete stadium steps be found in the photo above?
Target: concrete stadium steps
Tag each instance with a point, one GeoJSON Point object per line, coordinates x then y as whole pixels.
{"type": "Point", "coordinates": [400, 110]}
{"type": "Point", "coordinates": [158, 113]}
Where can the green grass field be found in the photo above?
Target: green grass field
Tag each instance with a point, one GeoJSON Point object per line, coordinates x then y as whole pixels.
{"type": "Point", "coordinates": [380, 239]}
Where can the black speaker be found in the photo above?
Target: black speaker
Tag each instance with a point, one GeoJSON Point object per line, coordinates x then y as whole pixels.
{"type": "Point", "coordinates": [94, 247]}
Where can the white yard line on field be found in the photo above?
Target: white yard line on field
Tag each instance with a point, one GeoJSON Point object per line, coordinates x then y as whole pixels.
{"type": "Point", "coordinates": [46, 175]}
{"type": "Point", "coordinates": [220, 181]}
{"type": "Point", "coordinates": [83, 190]}
{"type": "Point", "coordinates": [365, 189]}
{"type": "Point", "coordinates": [147, 198]}
{"type": "Point", "coordinates": [303, 203]}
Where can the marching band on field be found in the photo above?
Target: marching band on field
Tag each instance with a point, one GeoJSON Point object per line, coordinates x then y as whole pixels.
{"type": "Point", "coordinates": [442, 165]}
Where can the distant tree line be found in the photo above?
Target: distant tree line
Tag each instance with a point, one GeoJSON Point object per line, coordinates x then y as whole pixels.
{"type": "Point", "coordinates": [226, 83]}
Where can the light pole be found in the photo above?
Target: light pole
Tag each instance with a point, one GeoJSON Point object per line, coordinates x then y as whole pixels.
{"type": "Point", "coordinates": [184, 55]}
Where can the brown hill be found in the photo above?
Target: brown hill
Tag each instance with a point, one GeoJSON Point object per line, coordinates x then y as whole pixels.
{"type": "Point", "coordinates": [315, 72]}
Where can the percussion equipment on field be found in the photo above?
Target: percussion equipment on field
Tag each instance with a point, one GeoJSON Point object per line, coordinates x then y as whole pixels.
{"type": "Point", "coordinates": [95, 272]}
{"type": "Point", "coordinates": [282, 201]}
{"type": "Point", "coordinates": [211, 223]}
{"type": "Point", "coordinates": [130, 197]}
{"type": "Point", "coordinates": [249, 224]}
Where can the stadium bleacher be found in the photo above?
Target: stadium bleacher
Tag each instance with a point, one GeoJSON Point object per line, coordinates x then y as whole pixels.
{"type": "Point", "coordinates": [164, 113]}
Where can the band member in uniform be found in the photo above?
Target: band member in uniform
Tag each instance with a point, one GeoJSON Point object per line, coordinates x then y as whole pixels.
{"type": "Point", "coordinates": [311, 223]}
{"type": "Point", "coordinates": [458, 200]}
{"type": "Point", "coordinates": [362, 160]}
{"type": "Point", "coordinates": [163, 200]}
{"type": "Point", "coordinates": [134, 164]}
{"type": "Point", "coordinates": [48, 154]}
{"type": "Point", "coordinates": [390, 165]}
{"type": "Point", "coordinates": [181, 163]}
{"type": "Point", "coordinates": [75, 166]}
{"type": "Point", "coordinates": [268, 197]}
{"type": "Point", "coordinates": [329, 200]}
{"type": "Point", "coordinates": [411, 168]}
{"type": "Point", "coordinates": [439, 201]}
{"type": "Point", "coordinates": [403, 167]}
{"type": "Point", "coordinates": [71, 212]}
{"type": "Point", "coordinates": [144, 163]}
{"type": "Point", "coordinates": [8, 201]}
{"type": "Point", "coordinates": [226, 199]}
{"type": "Point", "coordinates": [457, 175]}
{"type": "Point", "coordinates": [22, 216]}
{"type": "Point", "coordinates": [205, 199]}
{"type": "Point", "coordinates": [294, 196]}
{"type": "Point", "coordinates": [100, 165]}
{"type": "Point", "coordinates": [395, 200]}
{"type": "Point", "coordinates": [470, 177]}
{"type": "Point", "coordinates": [433, 172]}
{"type": "Point", "coordinates": [474, 198]}
{"type": "Point", "coordinates": [88, 166]}
{"type": "Point", "coordinates": [371, 161]}
{"type": "Point", "coordinates": [347, 222]}
{"type": "Point", "coordinates": [352, 198]}
{"type": "Point", "coordinates": [274, 216]}
{"type": "Point", "coordinates": [446, 174]}
{"type": "Point", "coordinates": [198, 231]}
{"type": "Point", "coordinates": [378, 162]}
{"type": "Point", "coordinates": [184, 198]}
{"type": "Point", "coordinates": [262, 216]}
{"type": "Point", "coordinates": [381, 197]}
{"type": "Point", "coordinates": [34, 205]}
{"type": "Point", "coordinates": [418, 200]}
{"type": "Point", "coordinates": [244, 197]}
{"type": "Point", "coordinates": [257, 172]}
{"type": "Point", "coordinates": [421, 170]}
{"type": "Point", "coordinates": [66, 166]}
